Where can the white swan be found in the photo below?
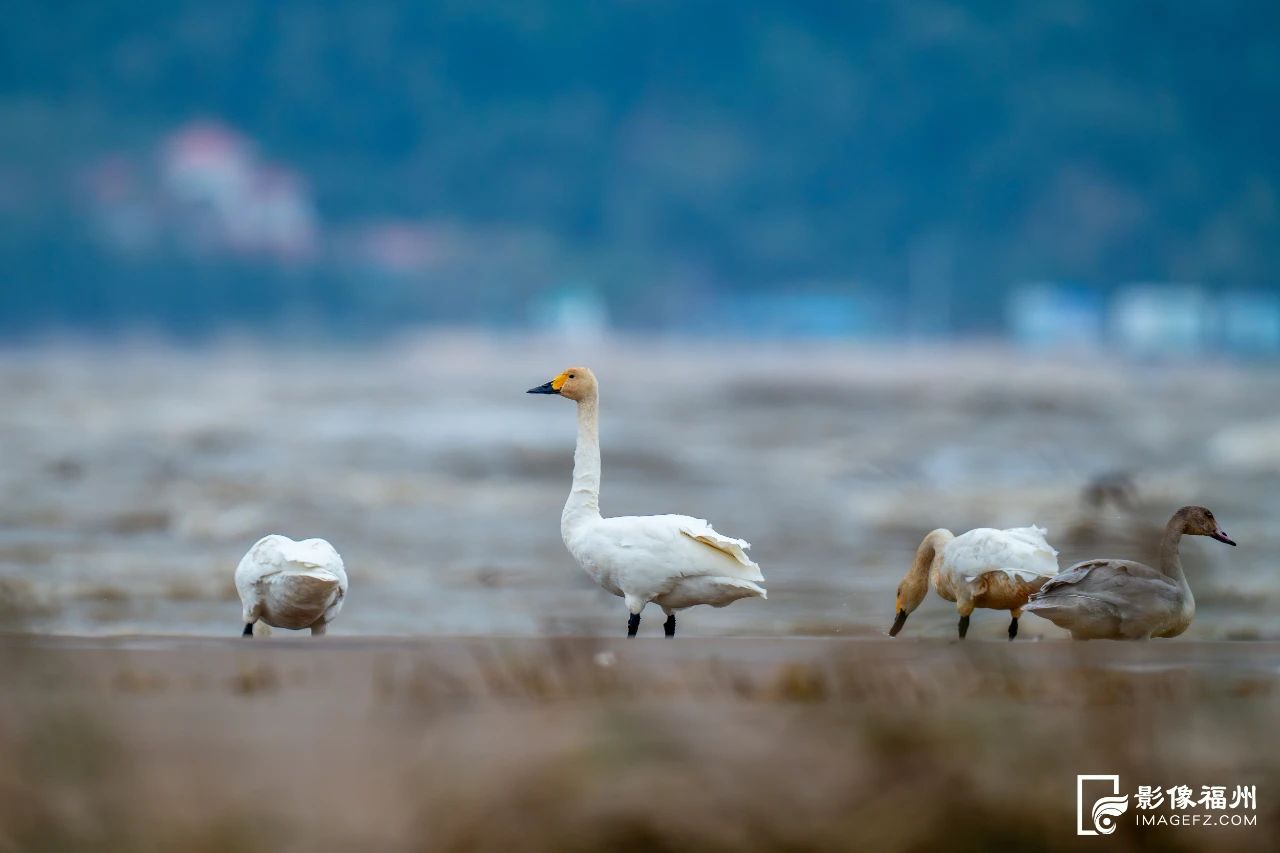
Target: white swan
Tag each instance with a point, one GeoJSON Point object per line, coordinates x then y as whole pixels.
{"type": "Point", "coordinates": [994, 569]}
{"type": "Point", "coordinates": [288, 584]}
{"type": "Point", "coordinates": [675, 561]}
{"type": "Point", "coordinates": [1126, 600]}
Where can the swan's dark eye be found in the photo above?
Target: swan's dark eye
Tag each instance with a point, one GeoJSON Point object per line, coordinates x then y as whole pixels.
{"type": "Point", "coordinates": [570, 375]}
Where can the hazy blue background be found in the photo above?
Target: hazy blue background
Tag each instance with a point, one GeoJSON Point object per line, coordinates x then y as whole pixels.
{"type": "Point", "coordinates": [877, 263]}
{"type": "Point", "coordinates": [823, 169]}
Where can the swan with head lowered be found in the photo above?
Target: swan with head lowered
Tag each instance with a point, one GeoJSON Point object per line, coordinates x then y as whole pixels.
{"type": "Point", "coordinates": [288, 584]}
{"type": "Point", "coordinates": [675, 561]}
{"type": "Point", "coordinates": [985, 567]}
{"type": "Point", "coordinates": [1126, 600]}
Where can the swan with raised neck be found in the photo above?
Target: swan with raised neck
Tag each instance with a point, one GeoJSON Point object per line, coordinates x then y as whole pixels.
{"type": "Point", "coordinates": [1126, 600]}
{"type": "Point", "coordinates": [675, 561]}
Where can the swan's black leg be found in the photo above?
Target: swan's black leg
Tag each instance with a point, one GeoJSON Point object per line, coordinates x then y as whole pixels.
{"type": "Point", "coordinates": [669, 627]}
{"type": "Point", "coordinates": [633, 624]}
{"type": "Point", "coordinates": [1013, 627]}
{"type": "Point", "coordinates": [964, 626]}
{"type": "Point", "coordinates": [248, 630]}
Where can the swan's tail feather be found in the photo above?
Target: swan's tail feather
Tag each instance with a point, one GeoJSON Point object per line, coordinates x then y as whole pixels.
{"type": "Point", "coordinates": [749, 589]}
{"type": "Point", "coordinates": [735, 548]}
{"type": "Point", "coordinates": [317, 574]}
{"type": "Point", "coordinates": [297, 599]}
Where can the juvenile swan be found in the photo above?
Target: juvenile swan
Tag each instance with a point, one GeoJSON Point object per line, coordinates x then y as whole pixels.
{"type": "Point", "coordinates": [1124, 600]}
{"type": "Point", "coordinates": [995, 569]}
{"type": "Point", "coordinates": [672, 560]}
{"type": "Point", "coordinates": [287, 584]}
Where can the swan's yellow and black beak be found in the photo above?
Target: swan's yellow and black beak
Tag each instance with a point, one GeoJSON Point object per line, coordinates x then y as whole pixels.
{"type": "Point", "coordinates": [898, 622]}
{"type": "Point", "coordinates": [552, 387]}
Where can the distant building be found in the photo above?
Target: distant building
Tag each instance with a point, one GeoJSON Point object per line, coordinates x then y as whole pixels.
{"type": "Point", "coordinates": [207, 164]}
{"type": "Point", "coordinates": [123, 213]}
{"type": "Point", "coordinates": [574, 313]}
{"type": "Point", "coordinates": [801, 313]}
{"type": "Point", "coordinates": [404, 248]}
{"type": "Point", "coordinates": [276, 215]}
{"type": "Point", "coordinates": [1162, 319]}
{"type": "Point", "coordinates": [1052, 315]}
{"type": "Point", "coordinates": [226, 199]}
{"type": "Point", "coordinates": [810, 315]}
{"type": "Point", "coordinates": [1250, 322]}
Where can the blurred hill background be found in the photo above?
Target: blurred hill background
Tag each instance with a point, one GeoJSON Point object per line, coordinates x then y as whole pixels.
{"type": "Point", "coordinates": [190, 167]}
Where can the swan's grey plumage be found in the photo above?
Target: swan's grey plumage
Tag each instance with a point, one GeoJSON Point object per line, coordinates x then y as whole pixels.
{"type": "Point", "coordinates": [1126, 600]}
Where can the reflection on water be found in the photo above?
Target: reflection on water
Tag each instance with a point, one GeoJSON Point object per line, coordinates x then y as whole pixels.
{"type": "Point", "coordinates": [133, 481]}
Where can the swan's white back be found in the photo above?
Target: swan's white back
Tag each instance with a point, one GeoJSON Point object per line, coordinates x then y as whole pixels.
{"type": "Point", "coordinates": [1021, 552]}
{"type": "Point", "coordinates": [671, 559]}
{"type": "Point", "coordinates": [291, 584]}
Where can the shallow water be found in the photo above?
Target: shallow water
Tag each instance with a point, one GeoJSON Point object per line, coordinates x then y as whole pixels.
{"type": "Point", "coordinates": [133, 480]}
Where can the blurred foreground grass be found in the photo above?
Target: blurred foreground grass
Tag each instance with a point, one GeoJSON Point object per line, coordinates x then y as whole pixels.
{"type": "Point", "coordinates": [580, 744]}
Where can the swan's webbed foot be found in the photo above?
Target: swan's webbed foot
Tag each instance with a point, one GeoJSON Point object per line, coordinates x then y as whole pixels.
{"type": "Point", "coordinates": [1013, 627]}
{"type": "Point", "coordinates": [248, 630]}
{"type": "Point", "coordinates": [318, 629]}
{"type": "Point", "coordinates": [964, 625]}
{"type": "Point", "coordinates": [669, 627]}
{"type": "Point", "coordinates": [633, 624]}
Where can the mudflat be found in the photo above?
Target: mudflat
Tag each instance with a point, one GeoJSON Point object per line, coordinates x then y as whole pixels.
{"type": "Point", "coordinates": [134, 481]}
{"type": "Point", "coordinates": [573, 743]}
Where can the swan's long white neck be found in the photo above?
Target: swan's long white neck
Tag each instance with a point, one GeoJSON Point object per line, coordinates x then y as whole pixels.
{"type": "Point", "coordinates": [584, 497]}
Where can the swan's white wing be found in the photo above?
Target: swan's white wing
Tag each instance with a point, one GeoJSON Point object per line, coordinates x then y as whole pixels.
{"type": "Point", "coordinates": [260, 561]}
{"type": "Point", "coordinates": [315, 555]}
{"type": "Point", "coordinates": [652, 551]}
{"type": "Point", "coordinates": [1020, 552]}
{"type": "Point", "coordinates": [699, 530]}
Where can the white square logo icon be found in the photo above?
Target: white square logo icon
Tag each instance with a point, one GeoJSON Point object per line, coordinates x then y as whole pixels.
{"type": "Point", "coordinates": [1102, 807]}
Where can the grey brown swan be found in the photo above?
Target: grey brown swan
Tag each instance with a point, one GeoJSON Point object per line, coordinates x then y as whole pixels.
{"type": "Point", "coordinates": [1126, 600]}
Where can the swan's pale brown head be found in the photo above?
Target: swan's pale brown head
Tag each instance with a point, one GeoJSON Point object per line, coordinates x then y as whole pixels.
{"type": "Point", "coordinates": [576, 383]}
{"type": "Point", "coordinates": [1199, 521]}
{"type": "Point", "coordinates": [915, 583]}
{"type": "Point", "coordinates": [912, 590]}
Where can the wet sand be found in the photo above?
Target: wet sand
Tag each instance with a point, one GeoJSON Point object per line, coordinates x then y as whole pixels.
{"type": "Point", "coordinates": [571, 743]}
